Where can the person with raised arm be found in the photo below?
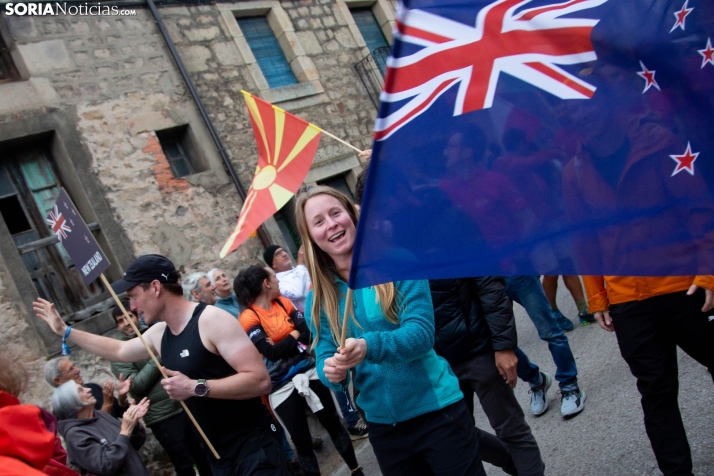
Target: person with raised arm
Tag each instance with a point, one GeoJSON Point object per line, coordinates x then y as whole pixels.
{"type": "Point", "coordinates": [210, 362]}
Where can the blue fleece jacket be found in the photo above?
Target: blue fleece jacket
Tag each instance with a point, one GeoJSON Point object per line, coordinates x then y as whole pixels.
{"type": "Point", "coordinates": [230, 304]}
{"type": "Point", "coordinates": [401, 376]}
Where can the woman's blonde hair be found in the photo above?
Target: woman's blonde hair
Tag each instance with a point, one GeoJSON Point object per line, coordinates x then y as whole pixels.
{"type": "Point", "coordinates": [325, 292]}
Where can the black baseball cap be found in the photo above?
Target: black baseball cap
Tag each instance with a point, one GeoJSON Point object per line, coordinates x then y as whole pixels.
{"type": "Point", "coordinates": [146, 269]}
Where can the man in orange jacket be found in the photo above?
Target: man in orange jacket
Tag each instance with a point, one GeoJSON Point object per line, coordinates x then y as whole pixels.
{"type": "Point", "coordinates": [651, 316]}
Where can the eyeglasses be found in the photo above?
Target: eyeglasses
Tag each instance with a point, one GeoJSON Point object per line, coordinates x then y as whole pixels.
{"type": "Point", "coordinates": [69, 370]}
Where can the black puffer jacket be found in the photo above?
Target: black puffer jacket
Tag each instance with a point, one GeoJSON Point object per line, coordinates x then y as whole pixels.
{"type": "Point", "coordinates": [472, 316]}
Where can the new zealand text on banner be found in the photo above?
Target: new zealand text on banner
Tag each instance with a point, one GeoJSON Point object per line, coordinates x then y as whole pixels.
{"type": "Point", "coordinates": [69, 227]}
{"type": "Point", "coordinates": [522, 137]}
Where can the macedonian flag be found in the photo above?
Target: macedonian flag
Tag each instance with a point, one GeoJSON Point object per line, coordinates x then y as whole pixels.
{"type": "Point", "coordinates": [286, 147]}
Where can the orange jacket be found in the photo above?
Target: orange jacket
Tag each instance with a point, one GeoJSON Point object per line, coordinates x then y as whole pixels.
{"type": "Point", "coordinates": [602, 291]}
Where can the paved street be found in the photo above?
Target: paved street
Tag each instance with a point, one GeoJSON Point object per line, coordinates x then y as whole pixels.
{"type": "Point", "coordinates": [608, 438]}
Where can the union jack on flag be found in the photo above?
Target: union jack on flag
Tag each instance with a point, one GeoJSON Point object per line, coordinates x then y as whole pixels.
{"type": "Point", "coordinates": [542, 137]}
{"type": "Point", "coordinates": [507, 37]}
{"type": "Point", "coordinates": [57, 222]}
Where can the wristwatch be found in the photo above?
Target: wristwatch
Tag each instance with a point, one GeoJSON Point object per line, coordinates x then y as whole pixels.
{"type": "Point", "coordinates": [201, 388]}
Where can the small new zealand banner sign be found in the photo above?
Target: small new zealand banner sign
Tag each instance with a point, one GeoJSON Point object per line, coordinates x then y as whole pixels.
{"type": "Point", "coordinates": [65, 221]}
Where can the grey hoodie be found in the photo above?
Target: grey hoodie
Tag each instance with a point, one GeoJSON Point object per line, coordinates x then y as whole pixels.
{"type": "Point", "coordinates": [95, 445]}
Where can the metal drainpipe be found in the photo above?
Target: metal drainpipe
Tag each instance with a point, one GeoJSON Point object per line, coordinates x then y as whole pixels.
{"type": "Point", "coordinates": [262, 234]}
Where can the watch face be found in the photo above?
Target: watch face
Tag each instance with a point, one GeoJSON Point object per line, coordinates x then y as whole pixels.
{"type": "Point", "coordinates": [201, 389]}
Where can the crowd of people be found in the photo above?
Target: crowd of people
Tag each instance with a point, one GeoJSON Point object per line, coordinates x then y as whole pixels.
{"type": "Point", "coordinates": [252, 358]}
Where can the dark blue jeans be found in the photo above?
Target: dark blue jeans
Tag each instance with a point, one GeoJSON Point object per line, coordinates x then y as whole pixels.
{"type": "Point", "coordinates": [528, 292]}
{"type": "Point", "coordinates": [351, 417]}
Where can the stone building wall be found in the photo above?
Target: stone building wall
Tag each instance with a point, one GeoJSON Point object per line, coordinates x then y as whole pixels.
{"type": "Point", "coordinates": [112, 83]}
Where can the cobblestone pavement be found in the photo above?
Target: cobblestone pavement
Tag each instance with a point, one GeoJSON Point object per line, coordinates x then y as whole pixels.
{"type": "Point", "coordinates": [608, 438]}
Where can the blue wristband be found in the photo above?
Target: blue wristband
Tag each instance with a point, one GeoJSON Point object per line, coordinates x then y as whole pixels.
{"type": "Point", "coordinates": [65, 347]}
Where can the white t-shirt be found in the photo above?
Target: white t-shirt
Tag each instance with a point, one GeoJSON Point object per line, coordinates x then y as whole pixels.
{"type": "Point", "coordinates": [294, 285]}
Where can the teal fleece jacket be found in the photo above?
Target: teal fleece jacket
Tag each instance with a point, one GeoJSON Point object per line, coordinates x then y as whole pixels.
{"type": "Point", "coordinates": [401, 377]}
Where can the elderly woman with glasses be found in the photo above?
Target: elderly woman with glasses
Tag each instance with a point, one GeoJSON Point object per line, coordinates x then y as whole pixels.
{"type": "Point", "coordinates": [97, 442]}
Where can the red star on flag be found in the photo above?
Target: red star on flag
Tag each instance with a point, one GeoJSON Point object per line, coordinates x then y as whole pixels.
{"type": "Point", "coordinates": [649, 77]}
{"type": "Point", "coordinates": [707, 53]}
{"type": "Point", "coordinates": [681, 15]}
{"type": "Point", "coordinates": [685, 161]}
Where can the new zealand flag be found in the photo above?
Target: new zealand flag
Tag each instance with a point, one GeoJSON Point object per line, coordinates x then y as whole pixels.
{"type": "Point", "coordinates": [522, 137]}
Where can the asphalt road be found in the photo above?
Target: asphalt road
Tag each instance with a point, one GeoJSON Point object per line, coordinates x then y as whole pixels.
{"type": "Point", "coordinates": [608, 437]}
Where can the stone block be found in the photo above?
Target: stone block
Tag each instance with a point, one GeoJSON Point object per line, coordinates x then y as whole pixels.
{"type": "Point", "coordinates": [103, 25]}
{"type": "Point", "coordinates": [33, 93]}
{"type": "Point", "coordinates": [205, 19]}
{"type": "Point", "coordinates": [304, 69]}
{"type": "Point", "coordinates": [150, 121]}
{"type": "Point", "coordinates": [279, 21]}
{"type": "Point", "coordinates": [289, 44]}
{"type": "Point", "coordinates": [346, 38]}
{"type": "Point", "coordinates": [22, 27]}
{"type": "Point", "coordinates": [46, 56]}
{"type": "Point", "coordinates": [81, 57]}
{"type": "Point", "coordinates": [195, 57]}
{"type": "Point", "coordinates": [202, 34]}
{"type": "Point", "coordinates": [55, 27]}
{"type": "Point", "coordinates": [81, 27]}
{"type": "Point", "coordinates": [177, 11]}
{"type": "Point", "coordinates": [227, 53]}
{"type": "Point", "coordinates": [309, 42]}
{"type": "Point", "coordinates": [104, 54]}
{"type": "Point", "coordinates": [328, 21]}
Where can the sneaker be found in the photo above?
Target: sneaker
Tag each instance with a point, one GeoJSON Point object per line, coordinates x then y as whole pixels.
{"type": "Point", "coordinates": [572, 403]}
{"type": "Point", "coordinates": [539, 397]}
{"type": "Point", "coordinates": [586, 318]}
{"type": "Point", "coordinates": [357, 472]}
{"type": "Point", "coordinates": [359, 431]}
{"type": "Point", "coordinates": [563, 321]}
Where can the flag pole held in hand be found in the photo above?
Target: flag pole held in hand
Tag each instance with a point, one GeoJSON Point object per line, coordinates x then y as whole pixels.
{"type": "Point", "coordinates": [68, 226]}
{"type": "Point", "coordinates": [156, 362]}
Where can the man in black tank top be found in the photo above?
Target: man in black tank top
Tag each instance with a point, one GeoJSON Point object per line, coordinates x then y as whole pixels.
{"type": "Point", "coordinates": [211, 364]}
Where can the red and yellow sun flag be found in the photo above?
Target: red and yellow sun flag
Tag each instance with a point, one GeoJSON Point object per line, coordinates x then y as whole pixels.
{"type": "Point", "coordinates": [286, 146]}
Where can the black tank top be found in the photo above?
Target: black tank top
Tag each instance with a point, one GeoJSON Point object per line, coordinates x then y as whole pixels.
{"type": "Point", "coordinates": [232, 426]}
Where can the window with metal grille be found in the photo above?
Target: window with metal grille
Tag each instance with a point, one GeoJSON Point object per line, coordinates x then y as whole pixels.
{"type": "Point", "coordinates": [267, 51]}
{"type": "Point", "coordinates": [8, 71]}
{"type": "Point", "coordinates": [369, 28]}
{"type": "Point", "coordinates": [28, 190]}
{"type": "Point", "coordinates": [176, 149]}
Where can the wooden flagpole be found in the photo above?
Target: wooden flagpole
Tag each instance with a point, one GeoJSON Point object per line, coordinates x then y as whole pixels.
{"type": "Point", "coordinates": [340, 140]}
{"type": "Point", "coordinates": [156, 361]}
{"type": "Point", "coordinates": [359, 151]}
{"type": "Point", "coordinates": [345, 318]}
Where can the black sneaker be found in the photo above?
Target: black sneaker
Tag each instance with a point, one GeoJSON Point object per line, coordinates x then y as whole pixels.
{"type": "Point", "coordinates": [586, 318]}
{"type": "Point", "coordinates": [359, 431]}
{"type": "Point", "coordinates": [357, 472]}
